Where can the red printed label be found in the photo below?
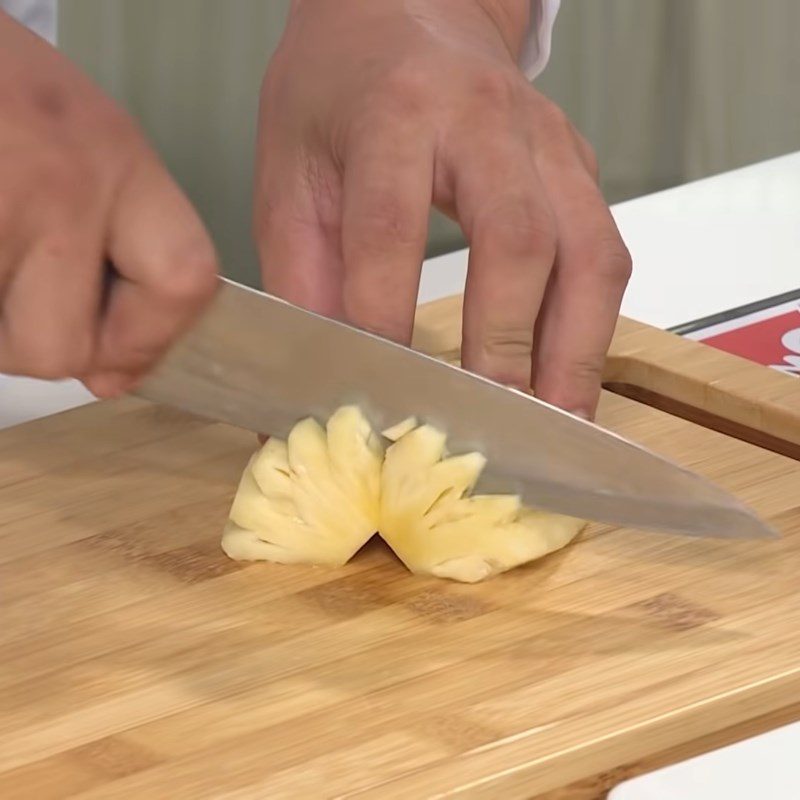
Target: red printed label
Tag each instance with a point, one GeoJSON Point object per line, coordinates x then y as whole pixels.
{"type": "Point", "coordinates": [770, 337]}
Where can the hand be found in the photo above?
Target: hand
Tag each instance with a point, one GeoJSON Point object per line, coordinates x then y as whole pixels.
{"type": "Point", "coordinates": [370, 112]}
{"type": "Point", "coordinates": [78, 185]}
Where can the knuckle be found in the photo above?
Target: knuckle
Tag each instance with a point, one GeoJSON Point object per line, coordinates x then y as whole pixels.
{"type": "Point", "coordinates": [576, 383]}
{"type": "Point", "coordinates": [599, 253]}
{"type": "Point", "coordinates": [386, 219]}
{"type": "Point", "coordinates": [555, 119]}
{"type": "Point", "coordinates": [271, 218]}
{"type": "Point", "coordinates": [406, 88]}
{"type": "Point", "coordinates": [496, 90]}
{"type": "Point", "coordinates": [507, 341]}
{"type": "Point", "coordinates": [189, 278]}
{"type": "Point", "coordinates": [614, 262]}
{"type": "Point", "coordinates": [587, 366]}
{"type": "Point", "coordinates": [503, 353]}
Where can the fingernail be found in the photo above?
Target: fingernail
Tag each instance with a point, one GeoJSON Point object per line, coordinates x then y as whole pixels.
{"type": "Point", "coordinates": [581, 414]}
{"type": "Point", "coordinates": [108, 385]}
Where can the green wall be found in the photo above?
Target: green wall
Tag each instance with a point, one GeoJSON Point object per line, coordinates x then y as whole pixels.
{"type": "Point", "coordinates": [189, 71]}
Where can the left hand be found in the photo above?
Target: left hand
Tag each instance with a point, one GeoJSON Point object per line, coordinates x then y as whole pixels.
{"type": "Point", "coordinates": [371, 112]}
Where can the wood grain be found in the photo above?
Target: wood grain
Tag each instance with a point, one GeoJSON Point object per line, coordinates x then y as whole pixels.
{"type": "Point", "coordinates": [136, 661]}
{"type": "Point", "coordinates": [598, 786]}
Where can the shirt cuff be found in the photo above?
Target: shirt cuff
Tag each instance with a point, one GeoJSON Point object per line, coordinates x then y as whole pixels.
{"type": "Point", "coordinates": [536, 50]}
{"type": "Point", "coordinates": [38, 15]}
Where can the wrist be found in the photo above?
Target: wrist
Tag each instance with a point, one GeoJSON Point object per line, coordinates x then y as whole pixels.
{"type": "Point", "coordinates": [512, 20]}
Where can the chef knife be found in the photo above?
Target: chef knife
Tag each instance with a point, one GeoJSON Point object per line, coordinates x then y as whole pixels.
{"type": "Point", "coordinates": [260, 363]}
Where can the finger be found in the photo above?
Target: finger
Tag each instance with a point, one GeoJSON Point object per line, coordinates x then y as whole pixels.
{"type": "Point", "coordinates": [50, 304]}
{"type": "Point", "coordinates": [388, 183]}
{"type": "Point", "coordinates": [502, 208]}
{"type": "Point", "coordinates": [167, 274]}
{"type": "Point", "coordinates": [582, 305]}
{"type": "Point", "coordinates": [16, 239]}
{"type": "Point", "coordinates": [297, 220]}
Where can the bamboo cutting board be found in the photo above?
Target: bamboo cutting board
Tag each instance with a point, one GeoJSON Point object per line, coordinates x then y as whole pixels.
{"type": "Point", "coordinates": [137, 661]}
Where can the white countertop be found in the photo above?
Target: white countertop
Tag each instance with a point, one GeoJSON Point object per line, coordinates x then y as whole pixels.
{"type": "Point", "coordinates": [23, 399]}
{"type": "Point", "coordinates": [698, 249]}
{"type": "Point", "coordinates": [762, 768]}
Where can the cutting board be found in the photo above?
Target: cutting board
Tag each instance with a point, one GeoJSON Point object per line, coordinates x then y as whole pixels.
{"type": "Point", "coordinates": [137, 661]}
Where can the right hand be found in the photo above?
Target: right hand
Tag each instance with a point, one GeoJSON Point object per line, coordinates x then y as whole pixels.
{"type": "Point", "coordinates": [79, 185]}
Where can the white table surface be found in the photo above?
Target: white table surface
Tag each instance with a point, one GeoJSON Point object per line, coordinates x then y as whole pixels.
{"type": "Point", "coordinates": [762, 768]}
{"type": "Point", "coordinates": [698, 249]}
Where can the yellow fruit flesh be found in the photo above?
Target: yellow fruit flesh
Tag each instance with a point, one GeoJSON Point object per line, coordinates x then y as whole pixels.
{"type": "Point", "coordinates": [400, 429]}
{"type": "Point", "coordinates": [311, 499]}
{"type": "Point", "coordinates": [435, 526]}
{"type": "Point", "coordinates": [321, 495]}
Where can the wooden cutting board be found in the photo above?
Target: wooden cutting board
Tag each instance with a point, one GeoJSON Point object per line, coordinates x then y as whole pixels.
{"type": "Point", "coordinates": [137, 661]}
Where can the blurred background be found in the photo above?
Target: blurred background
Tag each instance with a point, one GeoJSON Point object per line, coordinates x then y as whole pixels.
{"type": "Point", "coordinates": [667, 91]}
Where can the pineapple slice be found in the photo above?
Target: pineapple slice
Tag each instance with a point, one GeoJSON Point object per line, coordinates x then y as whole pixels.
{"type": "Point", "coordinates": [311, 499]}
{"type": "Point", "coordinates": [400, 429]}
{"type": "Point", "coordinates": [319, 496]}
{"type": "Point", "coordinates": [436, 527]}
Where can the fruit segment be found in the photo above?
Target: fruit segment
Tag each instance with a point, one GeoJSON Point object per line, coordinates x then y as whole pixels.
{"type": "Point", "coordinates": [437, 527]}
{"type": "Point", "coordinates": [312, 499]}
{"type": "Point", "coordinates": [319, 496]}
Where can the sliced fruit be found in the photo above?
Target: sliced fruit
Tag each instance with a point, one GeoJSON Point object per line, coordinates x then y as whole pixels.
{"type": "Point", "coordinates": [436, 527]}
{"type": "Point", "coordinates": [319, 496]}
{"type": "Point", "coordinates": [312, 499]}
{"type": "Point", "coordinates": [400, 429]}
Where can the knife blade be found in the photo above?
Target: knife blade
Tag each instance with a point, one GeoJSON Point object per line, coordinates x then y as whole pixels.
{"type": "Point", "coordinates": [260, 363]}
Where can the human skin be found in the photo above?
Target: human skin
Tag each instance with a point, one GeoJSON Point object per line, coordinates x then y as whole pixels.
{"type": "Point", "coordinates": [371, 113]}
{"type": "Point", "coordinates": [80, 187]}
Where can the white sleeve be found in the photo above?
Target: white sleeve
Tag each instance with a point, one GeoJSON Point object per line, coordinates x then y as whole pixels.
{"type": "Point", "coordinates": [536, 50]}
{"type": "Point", "coordinates": [38, 15]}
